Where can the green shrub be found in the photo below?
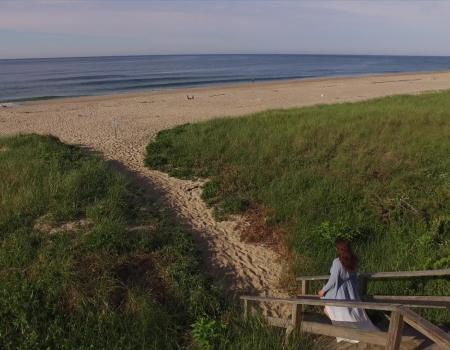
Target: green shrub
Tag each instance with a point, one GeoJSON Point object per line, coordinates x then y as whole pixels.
{"type": "Point", "coordinates": [207, 333]}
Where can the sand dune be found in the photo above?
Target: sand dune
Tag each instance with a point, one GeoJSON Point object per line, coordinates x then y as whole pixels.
{"type": "Point", "coordinates": [120, 126]}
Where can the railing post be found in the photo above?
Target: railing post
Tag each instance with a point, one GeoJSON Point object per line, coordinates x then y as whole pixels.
{"type": "Point", "coordinates": [297, 310]}
{"type": "Point", "coordinates": [395, 331]}
{"type": "Point", "coordinates": [363, 286]}
{"type": "Point", "coordinates": [246, 308]}
{"type": "Point", "coordinates": [304, 290]}
{"type": "Point", "coordinates": [296, 319]}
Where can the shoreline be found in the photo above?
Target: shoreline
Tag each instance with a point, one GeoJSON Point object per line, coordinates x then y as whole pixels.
{"type": "Point", "coordinates": [247, 83]}
{"type": "Point", "coordinates": [140, 115]}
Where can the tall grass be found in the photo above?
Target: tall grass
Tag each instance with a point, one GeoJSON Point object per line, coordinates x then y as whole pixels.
{"type": "Point", "coordinates": [376, 172]}
{"type": "Point", "coordinates": [97, 286]}
{"type": "Point", "coordinates": [86, 262]}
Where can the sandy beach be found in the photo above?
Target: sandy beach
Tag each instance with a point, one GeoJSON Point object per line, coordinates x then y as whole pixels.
{"type": "Point", "coordinates": [120, 126]}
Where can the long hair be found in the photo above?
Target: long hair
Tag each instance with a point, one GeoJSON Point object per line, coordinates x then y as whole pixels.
{"type": "Point", "coordinates": [346, 256]}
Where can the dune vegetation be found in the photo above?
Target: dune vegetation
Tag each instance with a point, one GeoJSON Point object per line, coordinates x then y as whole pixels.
{"type": "Point", "coordinates": [87, 261]}
{"type": "Point", "coordinates": [375, 172]}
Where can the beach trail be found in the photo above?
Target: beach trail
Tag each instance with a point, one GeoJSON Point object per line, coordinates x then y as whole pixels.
{"type": "Point", "coordinates": [120, 126]}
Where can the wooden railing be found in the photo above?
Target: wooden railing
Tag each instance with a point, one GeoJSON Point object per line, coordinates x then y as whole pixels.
{"type": "Point", "coordinates": [398, 306]}
{"type": "Point", "coordinates": [390, 339]}
{"type": "Point", "coordinates": [365, 277]}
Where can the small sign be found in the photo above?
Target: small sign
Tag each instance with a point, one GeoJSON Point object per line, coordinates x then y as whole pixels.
{"type": "Point", "coordinates": [115, 126]}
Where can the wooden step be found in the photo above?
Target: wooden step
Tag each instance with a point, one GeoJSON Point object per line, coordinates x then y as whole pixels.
{"type": "Point", "coordinates": [321, 325]}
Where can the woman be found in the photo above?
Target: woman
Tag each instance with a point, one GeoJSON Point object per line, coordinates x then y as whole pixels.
{"type": "Point", "coordinates": [343, 285]}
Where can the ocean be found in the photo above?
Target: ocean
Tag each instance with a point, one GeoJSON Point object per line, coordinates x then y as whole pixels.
{"type": "Point", "coordinates": [32, 79]}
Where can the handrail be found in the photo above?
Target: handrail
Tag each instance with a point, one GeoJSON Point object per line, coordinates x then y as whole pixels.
{"type": "Point", "coordinates": [313, 278]}
{"type": "Point", "coordinates": [378, 303]}
{"type": "Point", "coordinates": [393, 274]}
{"type": "Point", "coordinates": [425, 327]}
{"type": "Point", "coordinates": [324, 302]}
{"type": "Point", "coordinates": [432, 302]}
{"type": "Point", "coordinates": [365, 277]}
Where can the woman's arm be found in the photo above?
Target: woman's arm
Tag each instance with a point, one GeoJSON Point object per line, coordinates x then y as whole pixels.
{"type": "Point", "coordinates": [332, 281]}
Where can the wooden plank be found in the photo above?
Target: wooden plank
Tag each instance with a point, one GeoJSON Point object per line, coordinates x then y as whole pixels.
{"type": "Point", "coordinates": [313, 278]}
{"type": "Point", "coordinates": [364, 336]}
{"type": "Point", "coordinates": [425, 327]}
{"type": "Point", "coordinates": [422, 301]}
{"type": "Point", "coordinates": [369, 337]}
{"type": "Point", "coordinates": [393, 274]}
{"type": "Point", "coordinates": [323, 302]}
{"type": "Point", "coordinates": [419, 300]}
{"type": "Point", "coordinates": [409, 274]}
{"type": "Point", "coordinates": [433, 302]}
{"type": "Point", "coordinates": [425, 298]}
{"type": "Point", "coordinates": [394, 336]}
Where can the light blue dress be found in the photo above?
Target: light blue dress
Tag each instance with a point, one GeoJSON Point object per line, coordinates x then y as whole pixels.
{"type": "Point", "coordinates": [343, 285]}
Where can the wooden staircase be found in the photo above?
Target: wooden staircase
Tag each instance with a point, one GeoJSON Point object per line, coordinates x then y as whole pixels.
{"type": "Point", "coordinates": [406, 329]}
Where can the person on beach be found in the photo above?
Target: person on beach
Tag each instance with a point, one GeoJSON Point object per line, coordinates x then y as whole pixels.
{"type": "Point", "coordinates": [343, 285]}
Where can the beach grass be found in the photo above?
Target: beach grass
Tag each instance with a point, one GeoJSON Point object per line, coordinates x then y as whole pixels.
{"type": "Point", "coordinates": [87, 261]}
{"type": "Point", "coordinates": [375, 172]}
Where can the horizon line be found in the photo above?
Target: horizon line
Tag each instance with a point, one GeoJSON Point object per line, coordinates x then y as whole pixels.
{"type": "Point", "coordinates": [223, 54]}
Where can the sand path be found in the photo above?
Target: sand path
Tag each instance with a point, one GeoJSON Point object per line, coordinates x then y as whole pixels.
{"type": "Point", "coordinates": [120, 126]}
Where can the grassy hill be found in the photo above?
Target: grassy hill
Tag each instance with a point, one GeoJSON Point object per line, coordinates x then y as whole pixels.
{"type": "Point", "coordinates": [376, 172]}
{"type": "Point", "coordinates": [87, 262]}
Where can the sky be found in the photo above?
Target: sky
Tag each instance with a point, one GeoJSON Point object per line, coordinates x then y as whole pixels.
{"type": "Point", "coordinates": [59, 28]}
